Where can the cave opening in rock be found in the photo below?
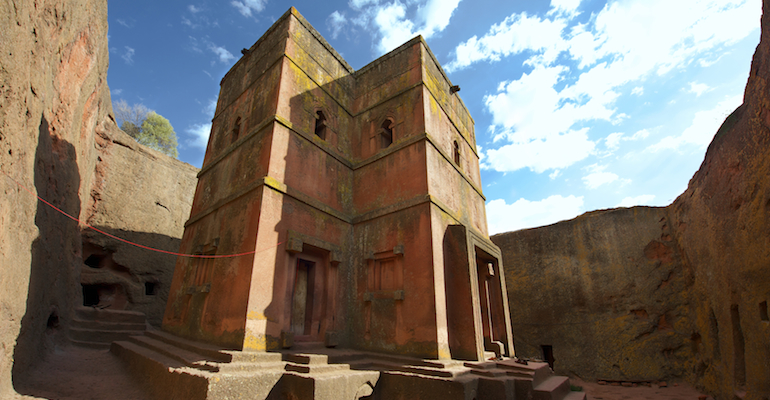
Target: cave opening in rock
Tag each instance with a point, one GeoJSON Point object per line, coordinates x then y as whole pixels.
{"type": "Point", "coordinates": [150, 288]}
{"type": "Point", "coordinates": [104, 295]}
{"type": "Point", "coordinates": [763, 311]}
{"type": "Point", "coordinates": [94, 260]}
{"type": "Point", "coordinates": [53, 321]}
{"type": "Point", "coordinates": [548, 354]}
{"type": "Point", "coordinates": [90, 295]}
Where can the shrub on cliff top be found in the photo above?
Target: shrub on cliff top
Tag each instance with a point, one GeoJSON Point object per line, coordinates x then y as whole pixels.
{"type": "Point", "coordinates": [147, 127]}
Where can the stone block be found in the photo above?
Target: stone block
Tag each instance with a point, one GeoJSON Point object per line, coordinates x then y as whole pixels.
{"type": "Point", "coordinates": [287, 339]}
{"type": "Point", "coordinates": [331, 339]}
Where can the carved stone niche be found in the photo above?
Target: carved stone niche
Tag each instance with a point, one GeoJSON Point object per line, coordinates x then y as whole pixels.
{"type": "Point", "coordinates": [385, 275]}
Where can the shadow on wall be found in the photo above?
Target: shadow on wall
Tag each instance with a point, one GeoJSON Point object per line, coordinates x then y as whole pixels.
{"type": "Point", "coordinates": [119, 276]}
{"type": "Point", "coordinates": [54, 253]}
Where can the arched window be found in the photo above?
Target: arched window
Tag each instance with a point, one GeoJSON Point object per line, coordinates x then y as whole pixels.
{"type": "Point", "coordinates": [236, 130]}
{"type": "Point", "coordinates": [320, 124]}
{"type": "Point", "coordinates": [386, 134]}
{"type": "Point", "coordinates": [457, 153]}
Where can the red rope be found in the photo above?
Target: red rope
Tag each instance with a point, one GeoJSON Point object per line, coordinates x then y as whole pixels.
{"type": "Point", "coordinates": [141, 246]}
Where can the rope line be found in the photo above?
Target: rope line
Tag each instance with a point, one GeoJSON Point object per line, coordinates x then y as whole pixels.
{"type": "Point", "coordinates": [141, 246]}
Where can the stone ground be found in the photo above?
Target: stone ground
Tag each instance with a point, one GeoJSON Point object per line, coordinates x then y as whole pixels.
{"type": "Point", "coordinates": [75, 373]}
{"type": "Point", "coordinates": [673, 391]}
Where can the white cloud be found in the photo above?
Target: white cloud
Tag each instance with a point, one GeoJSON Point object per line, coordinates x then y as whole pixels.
{"type": "Point", "coordinates": [394, 27]}
{"type": "Point", "coordinates": [699, 88]}
{"type": "Point", "coordinates": [639, 135]}
{"type": "Point", "coordinates": [200, 134]}
{"type": "Point", "coordinates": [598, 176]}
{"type": "Point", "coordinates": [644, 199]}
{"type": "Point", "coordinates": [554, 174]}
{"type": "Point", "coordinates": [564, 6]}
{"type": "Point", "coordinates": [245, 7]}
{"type": "Point", "coordinates": [704, 126]}
{"type": "Point", "coordinates": [480, 152]}
{"type": "Point", "coordinates": [555, 151]}
{"type": "Point", "coordinates": [128, 55]}
{"type": "Point", "coordinates": [524, 213]}
{"type": "Point", "coordinates": [626, 42]}
{"type": "Point", "coordinates": [335, 22]}
{"type": "Point", "coordinates": [516, 34]}
{"type": "Point", "coordinates": [359, 4]}
{"type": "Point", "coordinates": [116, 92]}
{"type": "Point", "coordinates": [211, 108]}
{"type": "Point", "coordinates": [224, 55]}
{"type": "Point", "coordinates": [533, 109]}
{"type": "Point", "coordinates": [436, 14]}
{"type": "Point", "coordinates": [193, 9]}
{"type": "Point", "coordinates": [612, 141]}
{"type": "Point", "coordinates": [397, 22]}
{"type": "Point", "coordinates": [124, 23]}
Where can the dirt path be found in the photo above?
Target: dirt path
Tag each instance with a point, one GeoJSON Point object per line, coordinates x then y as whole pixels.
{"type": "Point", "coordinates": [673, 391]}
{"type": "Point", "coordinates": [75, 373]}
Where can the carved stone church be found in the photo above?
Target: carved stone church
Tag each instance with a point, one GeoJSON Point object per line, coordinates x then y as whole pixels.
{"type": "Point", "coordinates": [341, 223]}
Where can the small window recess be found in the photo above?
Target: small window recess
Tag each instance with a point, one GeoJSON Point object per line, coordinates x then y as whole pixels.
{"type": "Point", "coordinates": [320, 124]}
{"type": "Point", "coordinates": [236, 130]}
{"type": "Point", "coordinates": [150, 288]}
{"type": "Point", "coordinates": [763, 311]}
{"type": "Point", "coordinates": [456, 153]}
{"type": "Point", "coordinates": [386, 134]}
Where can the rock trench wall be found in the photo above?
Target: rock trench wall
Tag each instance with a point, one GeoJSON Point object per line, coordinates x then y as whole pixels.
{"type": "Point", "coordinates": [59, 139]}
{"type": "Point", "coordinates": [659, 293]}
{"type": "Point", "coordinates": [605, 291]}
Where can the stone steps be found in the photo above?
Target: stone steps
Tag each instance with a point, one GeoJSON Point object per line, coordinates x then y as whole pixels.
{"type": "Point", "coordinates": [186, 357]}
{"type": "Point", "coordinates": [175, 368]}
{"type": "Point", "coordinates": [94, 328]}
{"type": "Point", "coordinates": [212, 353]}
{"type": "Point", "coordinates": [322, 372]}
{"type": "Point", "coordinates": [533, 380]}
{"type": "Point", "coordinates": [103, 325]}
{"type": "Point", "coordinates": [184, 353]}
{"type": "Point", "coordinates": [108, 315]}
{"type": "Point", "coordinates": [552, 388]}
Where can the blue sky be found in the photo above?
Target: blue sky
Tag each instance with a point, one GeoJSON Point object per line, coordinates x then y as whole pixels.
{"type": "Point", "coordinates": [579, 104]}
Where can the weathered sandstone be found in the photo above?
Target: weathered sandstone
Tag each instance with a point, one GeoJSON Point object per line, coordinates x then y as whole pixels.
{"type": "Point", "coordinates": [58, 138]}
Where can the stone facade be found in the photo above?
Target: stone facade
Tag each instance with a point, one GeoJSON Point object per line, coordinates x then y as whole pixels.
{"type": "Point", "coordinates": [360, 194]}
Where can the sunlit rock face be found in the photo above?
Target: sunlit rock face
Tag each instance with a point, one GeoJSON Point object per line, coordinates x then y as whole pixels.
{"type": "Point", "coordinates": [606, 291]}
{"type": "Point", "coordinates": [653, 293]}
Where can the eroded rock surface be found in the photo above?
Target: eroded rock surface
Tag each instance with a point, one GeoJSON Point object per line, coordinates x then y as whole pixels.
{"type": "Point", "coordinates": [58, 139]}
{"type": "Point", "coordinates": [606, 291]}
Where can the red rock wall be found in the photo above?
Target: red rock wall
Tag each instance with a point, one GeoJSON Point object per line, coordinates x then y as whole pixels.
{"type": "Point", "coordinates": [53, 65]}
{"type": "Point", "coordinates": [606, 290]}
{"type": "Point", "coordinates": [722, 224]}
{"type": "Point", "coordinates": [58, 139]}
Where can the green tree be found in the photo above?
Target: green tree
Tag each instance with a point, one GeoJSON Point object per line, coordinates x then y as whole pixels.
{"type": "Point", "coordinates": [147, 127]}
{"type": "Point", "coordinates": [158, 134]}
